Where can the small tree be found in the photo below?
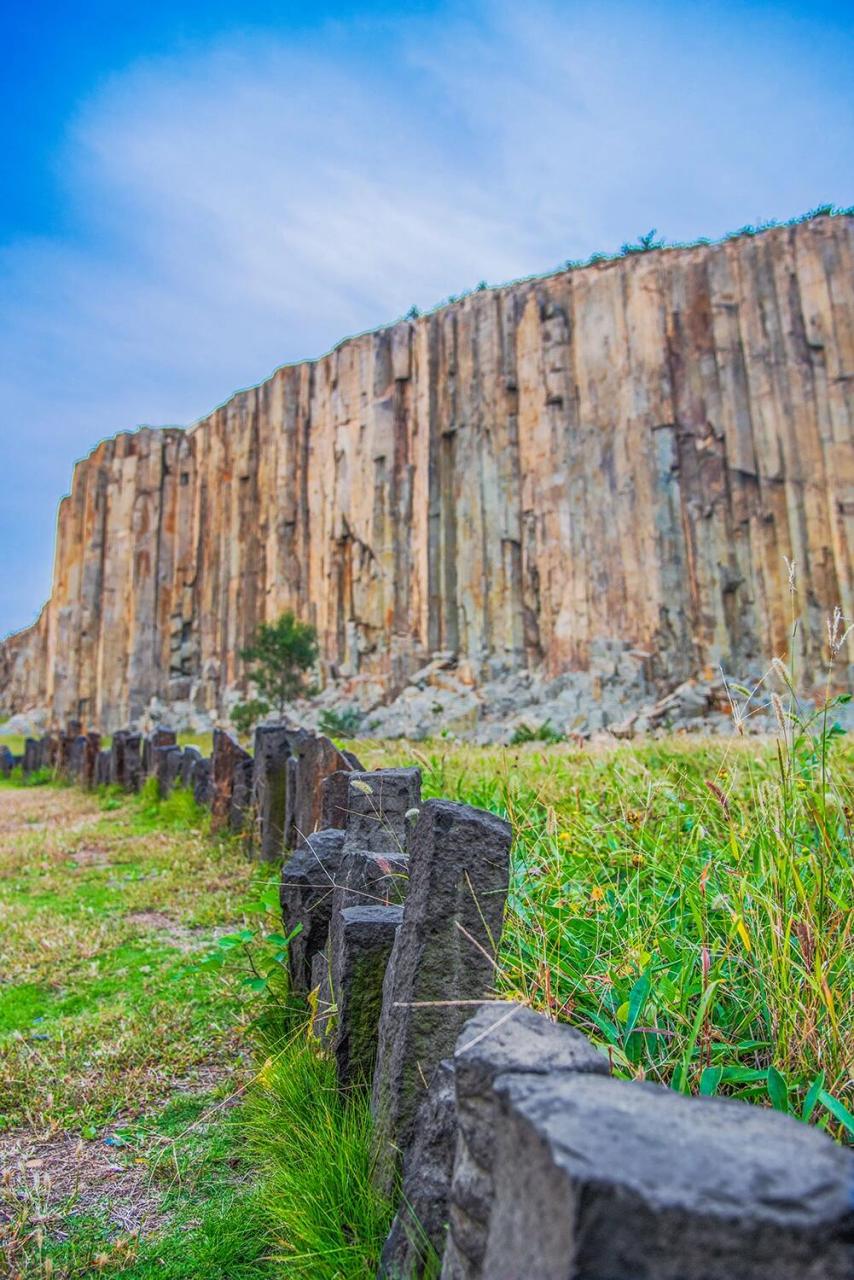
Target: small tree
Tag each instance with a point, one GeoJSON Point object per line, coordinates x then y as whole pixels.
{"type": "Point", "coordinates": [278, 658]}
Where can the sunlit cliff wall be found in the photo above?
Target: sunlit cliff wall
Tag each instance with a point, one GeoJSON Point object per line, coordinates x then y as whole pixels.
{"type": "Point", "coordinates": [625, 451]}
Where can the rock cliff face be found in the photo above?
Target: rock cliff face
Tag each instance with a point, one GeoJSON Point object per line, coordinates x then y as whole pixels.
{"type": "Point", "coordinates": [616, 456]}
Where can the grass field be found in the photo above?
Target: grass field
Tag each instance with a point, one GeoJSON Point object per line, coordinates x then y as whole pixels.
{"type": "Point", "coordinates": [685, 903]}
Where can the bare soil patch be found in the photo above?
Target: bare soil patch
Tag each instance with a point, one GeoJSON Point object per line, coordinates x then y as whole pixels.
{"type": "Point", "coordinates": [54, 1177]}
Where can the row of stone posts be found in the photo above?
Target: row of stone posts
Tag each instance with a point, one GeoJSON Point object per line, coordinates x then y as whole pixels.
{"type": "Point", "coordinates": [512, 1152]}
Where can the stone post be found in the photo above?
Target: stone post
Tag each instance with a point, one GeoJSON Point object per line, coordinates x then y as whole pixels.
{"type": "Point", "coordinates": [231, 782]}
{"type": "Point", "coordinates": [308, 881]}
{"type": "Point", "coordinates": [360, 945]}
{"type": "Point", "coordinates": [189, 760]}
{"type": "Point", "coordinates": [442, 961]}
{"type": "Point", "coordinates": [612, 1179]}
{"type": "Point", "coordinates": [90, 759]}
{"type": "Point", "coordinates": [270, 789]}
{"type": "Point", "coordinates": [501, 1039]}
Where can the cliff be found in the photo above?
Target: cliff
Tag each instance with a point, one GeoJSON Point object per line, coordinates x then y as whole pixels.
{"type": "Point", "coordinates": [620, 455]}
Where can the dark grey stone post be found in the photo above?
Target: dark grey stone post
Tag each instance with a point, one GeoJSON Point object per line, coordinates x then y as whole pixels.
{"type": "Point", "coordinates": [442, 961]}
{"type": "Point", "coordinates": [501, 1039]}
{"type": "Point", "coordinates": [417, 1237]}
{"type": "Point", "coordinates": [308, 881]}
{"type": "Point", "coordinates": [190, 758]}
{"type": "Point", "coordinates": [166, 768]}
{"type": "Point", "coordinates": [132, 764]}
{"type": "Point", "coordinates": [613, 1180]}
{"type": "Point", "coordinates": [30, 762]}
{"type": "Point", "coordinates": [270, 789]}
{"type": "Point", "coordinates": [201, 780]}
{"type": "Point", "coordinates": [360, 945]}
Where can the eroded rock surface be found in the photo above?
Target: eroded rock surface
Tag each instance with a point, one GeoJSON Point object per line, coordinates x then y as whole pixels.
{"type": "Point", "coordinates": [608, 461]}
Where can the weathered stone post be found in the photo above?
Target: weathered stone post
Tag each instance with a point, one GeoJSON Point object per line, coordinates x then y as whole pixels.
{"type": "Point", "coordinates": [77, 759]}
{"type": "Point", "coordinates": [500, 1040]}
{"type": "Point", "coordinates": [131, 778]}
{"type": "Point", "coordinates": [7, 760]}
{"type": "Point", "coordinates": [66, 742]}
{"type": "Point", "coordinates": [189, 760]}
{"type": "Point", "coordinates": [201, 780]}
{"type": "Point", "coordinates": [441, 963]}
{"type": "Point", "coordinates": [270, 789]}
{"type": "Point", "coordinates": [166, 768]}
{"type": "Point", "coordinates": [117, 758]}
{"type": "Point", "coordinates": [608, 1179]}
{"type": "Point", "coordinates": [159, 737]}
{"type": "Point", "coordinates": [90, 759]}
{"type": "Point", "coordinates": [103, 767]}
{"type": "Point", "coordinates": [308, 882]}
{"type": "Point", "coordinates": [231, 767]}
{"type": "Point", "coordinates": [30, 762]}
{"type": "Point", "coordinates": [360, 944]}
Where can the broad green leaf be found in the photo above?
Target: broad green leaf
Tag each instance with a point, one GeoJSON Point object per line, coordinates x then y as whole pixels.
{"type": "Point", "coordinates": [710, 1080]}
{"type": "Point", "coordinates": [836, 1109]}
{"type": "Point", "coordinates": [812, 1096]}
{"type": "Point", "coordinates": [778, 1090]}
{"type": "Point", "coordinates": [637, 1000]}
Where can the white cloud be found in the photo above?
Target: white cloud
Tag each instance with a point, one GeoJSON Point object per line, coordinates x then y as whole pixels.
{"type": "Point", "coordinates": [254, 201]}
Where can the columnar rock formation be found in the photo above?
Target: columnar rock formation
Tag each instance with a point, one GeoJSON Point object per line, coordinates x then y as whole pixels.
{"type": "Point", "coordinates": [621, 453]}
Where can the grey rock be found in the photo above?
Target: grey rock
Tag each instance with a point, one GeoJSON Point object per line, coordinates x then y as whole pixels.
{"type": "Point", "coordinates": [377, 804]}
{"type": "Point", "coordinates": [442, 960]}
{"type": "Point", "coordinates": [161, 737]}
{"type": "Point", "coordinates": [360, 943]}
{"type": "Point", "coordinates": [166, 767]}
{"type": "Point", "coordinates": [77, 758]}
{"type": "Point", "coordinates": [269, 789]}
{"type": "Point", "coordinates": [416, 1241]}
{"type": "Point", "coordinates": [611, 1180]}
{"type": "Point", "coordinates": [201, 780]}
{"type": "Point", "coordinates": [103, 775]}
{"type": "Point", "coordinates": [132, 764]}
{"type": "Point", "coordinates": [333, 799]}
{"type": "Point", "coordinates": [501, 1038]}
{"type": "Point", "coordinates": [370, 879]}
{"type": "Point", "coordinates": [313, 758]}
{"type": "Point", "coordinates": [190, 758]}
{"type": "Point", "coordinates": [308, 881]}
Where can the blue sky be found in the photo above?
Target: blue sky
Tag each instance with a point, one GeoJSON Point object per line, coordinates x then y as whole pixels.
{"type": "Point", "coordinates": [194, 193]}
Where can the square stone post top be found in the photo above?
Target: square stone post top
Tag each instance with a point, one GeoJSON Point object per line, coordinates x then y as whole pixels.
{"type": "Point", "coordinates": [442, 959]}
{"type": "Point", "coordinates": [609, 1179]}
{"type": "Point", "coordinates": [378, 802]}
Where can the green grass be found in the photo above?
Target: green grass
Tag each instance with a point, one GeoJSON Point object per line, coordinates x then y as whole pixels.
{"type": "Point", "coordinates": [107, 1040]}
{"type": "Point", "coordinates": [129, 1021]}
{"type": "Point", "coordinates": [686, 904]}
{"type": "Point", "coordinates": [312, 1149]}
